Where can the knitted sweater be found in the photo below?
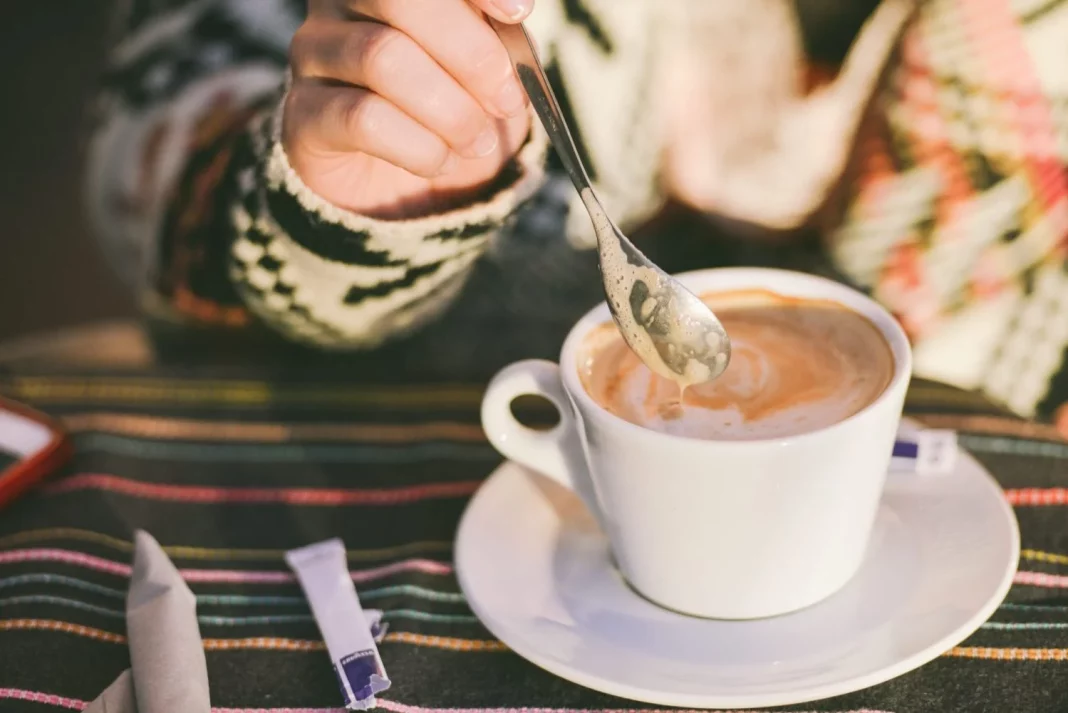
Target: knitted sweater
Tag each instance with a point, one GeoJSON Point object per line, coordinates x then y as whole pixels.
{"type": "Point", "coordinates": [960, 231]}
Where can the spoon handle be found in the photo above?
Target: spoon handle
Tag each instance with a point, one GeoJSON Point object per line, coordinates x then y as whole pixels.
{"type": "Point", "coordinates": [532, 75]}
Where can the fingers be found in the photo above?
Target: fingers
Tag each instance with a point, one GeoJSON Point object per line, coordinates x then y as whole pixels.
{"type": "Point", "coordinates": [510, 11]}
{"type": "Point", "coordinates": [458, 38]}
{"type": "Point", "coordinates": [419, 84]}
{"type": "Point", "coordinates": [351, 119]}
{"type": "Point", "coordinates": [389, 63]}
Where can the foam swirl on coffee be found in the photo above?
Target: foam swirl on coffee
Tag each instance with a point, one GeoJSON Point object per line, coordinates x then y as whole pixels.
{"type": "Point", "coordinates": [797, 365]}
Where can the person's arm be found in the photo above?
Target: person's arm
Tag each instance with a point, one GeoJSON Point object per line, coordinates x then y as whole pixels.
{"type": "Point", "coordinates": [336, 278]}
{"type": "Point", "coordinates": [203, 202]}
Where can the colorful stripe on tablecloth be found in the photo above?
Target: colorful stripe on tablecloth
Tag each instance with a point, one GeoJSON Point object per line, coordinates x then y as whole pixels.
{"type": "Point", "coordinates": [317, 497]}
{"type": "Point", "coordinates": [450, 643]}
{"type": "Point", "coordinates": [423, 566]}
{"type": "Point", "coordinates": [418, 452]}
{"type": "Point", "coordinates": [119, 569]}
{"type": "Point", "coordinates": [340, 497]}
{"type": "Point", "coordinates": [178, 429]}
{"type": "Point", "coordinates": [214, 553]}
{"type": "Point", "coordinates": [249, 393]}
{"type": "Point", "coordinates": [162, 428]}
{"type": "Point", "coordinates": [222, 554]}
{"type": "Point", "coordinates": [1037, 496]}
{"type": "Point", "coordinates": [1041, 579]}
{"type": "Point", "coordinates": [263, 643]}
{"type": "Point", "coordinates": [233, 621]}
{"type": "Point", "coordinates": [49, 699]}
{"type": "Point", "coordinates": [237, 600]}
{"type": "Point", "coordinates": [388, 614]}
{"type": "Point", "coordinates": [1008, 654]}
{"type": "Point", "coordinates": [241, 392]}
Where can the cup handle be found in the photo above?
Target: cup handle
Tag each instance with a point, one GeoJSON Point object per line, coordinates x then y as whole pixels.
{"type": "Point", "coordinates": [557, 453]}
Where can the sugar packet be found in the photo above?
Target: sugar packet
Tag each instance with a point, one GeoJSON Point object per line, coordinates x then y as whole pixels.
{"type": "Point", "coordinates": [350, 633]}
{"type": "Point", "coordinates": [931, 451]}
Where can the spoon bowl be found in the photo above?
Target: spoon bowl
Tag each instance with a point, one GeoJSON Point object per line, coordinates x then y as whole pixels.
{"type": "Point", "coordinates": [668, 327]}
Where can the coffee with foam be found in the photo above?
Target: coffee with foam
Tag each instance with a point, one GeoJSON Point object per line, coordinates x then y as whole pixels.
{"type": "Point", "coordinates": [797, 365]}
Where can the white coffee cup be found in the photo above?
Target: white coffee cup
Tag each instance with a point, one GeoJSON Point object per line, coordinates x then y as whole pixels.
{"type": "Point", "coordinates": [718, 529]}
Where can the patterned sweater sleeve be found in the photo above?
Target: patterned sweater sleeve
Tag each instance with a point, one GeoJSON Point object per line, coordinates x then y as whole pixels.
{"type": "Point", "coordinates": [199, 209]}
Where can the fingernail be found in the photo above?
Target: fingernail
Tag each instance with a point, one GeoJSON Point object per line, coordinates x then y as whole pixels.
{"type": "Point", "coordinates": [514, 10]}
{"type": "Point", "coordinates": [511, 99]}
{"type": "Point", "coordinates": [485, 143]}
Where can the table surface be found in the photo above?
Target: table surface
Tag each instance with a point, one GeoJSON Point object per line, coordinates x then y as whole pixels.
{"type": "Point", "coordinates": [230, 465]}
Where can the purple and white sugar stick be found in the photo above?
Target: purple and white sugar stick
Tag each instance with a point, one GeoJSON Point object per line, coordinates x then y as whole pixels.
{"type": "Point", "coordinates": [350, 633]}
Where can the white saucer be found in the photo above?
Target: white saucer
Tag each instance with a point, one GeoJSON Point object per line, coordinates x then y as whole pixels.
{"type": "Point", "coordinates": [537, 572]}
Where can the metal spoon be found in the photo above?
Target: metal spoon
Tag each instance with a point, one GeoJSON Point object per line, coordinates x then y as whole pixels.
{"type": "Point", "coordinates": [666, 325]}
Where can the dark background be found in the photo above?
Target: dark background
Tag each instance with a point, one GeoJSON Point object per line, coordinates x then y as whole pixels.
{"type": "Point", "coordinates": [51, 273]}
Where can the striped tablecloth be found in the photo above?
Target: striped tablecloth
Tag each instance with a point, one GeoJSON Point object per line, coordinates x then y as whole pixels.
{"type": "Point", "coordinates": [229, 472]}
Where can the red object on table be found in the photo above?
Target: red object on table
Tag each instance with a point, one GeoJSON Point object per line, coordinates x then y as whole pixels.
{"type": "Point", "coordinates": [38, 443]}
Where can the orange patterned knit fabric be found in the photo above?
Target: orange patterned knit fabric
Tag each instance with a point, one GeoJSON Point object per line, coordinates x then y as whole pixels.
{"type": "Point", "coordinates": [959, 216]}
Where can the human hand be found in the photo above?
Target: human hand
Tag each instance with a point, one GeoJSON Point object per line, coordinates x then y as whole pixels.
{"type": "Point", "coordinates": [399, 108]}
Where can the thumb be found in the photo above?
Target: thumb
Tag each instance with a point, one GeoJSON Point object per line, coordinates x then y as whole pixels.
{"type": "Point", "coordinates": [510, 11]}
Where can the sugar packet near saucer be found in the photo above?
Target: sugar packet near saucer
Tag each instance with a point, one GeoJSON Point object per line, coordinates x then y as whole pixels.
{"type": "Point", "coordinates": [377, 626]}
{"type": "Point", "coordinates": [931, 451]}
{"type": "Point", "coordinates": [350, 633]}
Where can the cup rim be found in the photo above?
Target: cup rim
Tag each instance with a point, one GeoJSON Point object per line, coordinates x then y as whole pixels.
{"type": "Point", "coordinates": [763, 278]}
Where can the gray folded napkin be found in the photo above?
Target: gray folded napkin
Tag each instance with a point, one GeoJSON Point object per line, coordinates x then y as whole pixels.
{"type": "Point", "coordinates": [170, 673]}
{"type": "Point", "coordinates": [117, 698]}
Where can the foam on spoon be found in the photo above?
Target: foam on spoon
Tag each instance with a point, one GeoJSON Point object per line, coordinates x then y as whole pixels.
{"type": "Point", "coordinates": [796, 366]}
{"type": "Point", "coordinates": [633, 279]}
